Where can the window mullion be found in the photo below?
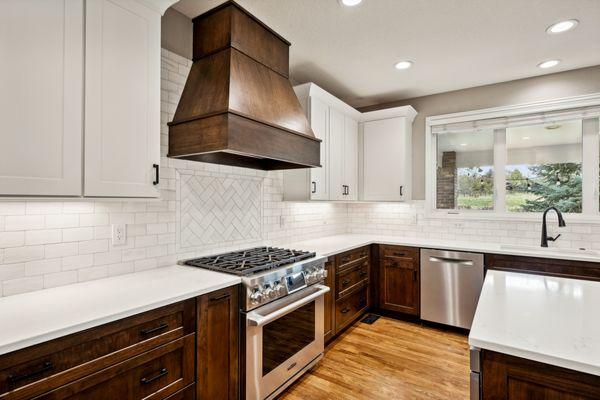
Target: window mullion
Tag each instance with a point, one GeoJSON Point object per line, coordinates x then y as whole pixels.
{"type": "Point", "coordinates": [589, 165]}
{"type": "Point", "coordinates": [500, 170]}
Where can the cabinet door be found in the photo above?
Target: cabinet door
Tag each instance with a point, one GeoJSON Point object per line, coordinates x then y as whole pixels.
{"type": "Point", "coordinates": [399, 288]}
{"type": "Point", "coordinates": [329, 303]}
{"type": "Point", "coordinates": [351, 158]}
{"type": "Point", "coordinates": [336, 155]}
{"type": "Point", "coordinates": [319, 177]}
{"type": "Point", "coordinates": [217, 352]}
{"type": "Point", "coordinates": [41, 86]}
{"type": "Point", "coordinates": [385, 159]}
{"type": "Point", "coordinates": [122, 99]}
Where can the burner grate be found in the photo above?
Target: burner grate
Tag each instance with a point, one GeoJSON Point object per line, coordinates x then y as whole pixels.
{"type": "Point", "coordinates": [250, 261]}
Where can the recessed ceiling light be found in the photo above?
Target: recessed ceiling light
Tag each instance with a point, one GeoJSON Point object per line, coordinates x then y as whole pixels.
{"type": "Point", "coordinates": [526, 138]}
{"type": "Point", "coordinates": [350, 3]}
{"type": "Point", "coordinates": [403, 65]}
{"type": "Point", "coordinates": [549, 64]}
{"type": "Point", "coordinates": [562, 26]}
{"type": "Point", "coordinates": [553, 126]}
{"type": "Point", "coordinates": [463, 144]}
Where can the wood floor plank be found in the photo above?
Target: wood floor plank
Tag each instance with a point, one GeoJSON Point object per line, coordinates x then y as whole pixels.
{"type": "Point", "coordinates": [389, 359]}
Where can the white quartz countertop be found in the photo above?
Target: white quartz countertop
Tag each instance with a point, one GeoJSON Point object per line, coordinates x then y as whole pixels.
{"type": "Point", "coordinates": [36, 317]}
{"type": "Point", "coordinates": [336, 244]}
{"type": "Point", "coordinates": [545, 319]}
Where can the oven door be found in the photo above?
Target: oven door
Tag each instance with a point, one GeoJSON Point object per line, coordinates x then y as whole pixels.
{"type": "Point", "coordinates": [283, 338]}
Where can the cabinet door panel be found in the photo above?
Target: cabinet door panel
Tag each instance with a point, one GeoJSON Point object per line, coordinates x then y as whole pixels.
{"type": "Point", "coordinates": [385, 159]}
{"type": "Point", "coordinates": [41, 86]}
{"type": "Point", "coordinates": [351, 158]}
{"type": "Point", "coordinates": [122, 113]}
{"type": "Point", "coordinates": [336, 155]}
{"type": "Point", "coordinates": [319, 177]}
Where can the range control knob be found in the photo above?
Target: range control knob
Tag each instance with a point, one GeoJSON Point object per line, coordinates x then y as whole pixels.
{"type": "Point", "coordinates": [256, 296]}
{"type": "Point", "coordinates": [279, 288]}
{"type": "Point", "coordinates": [269, 293]}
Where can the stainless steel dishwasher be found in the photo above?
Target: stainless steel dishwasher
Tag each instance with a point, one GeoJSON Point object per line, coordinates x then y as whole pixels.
{"type": "Point", "coordinates": [451, 282]}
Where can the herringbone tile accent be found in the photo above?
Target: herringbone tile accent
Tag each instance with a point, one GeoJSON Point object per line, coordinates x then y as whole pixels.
{"type": "Point", "coordinates": [219, 209]}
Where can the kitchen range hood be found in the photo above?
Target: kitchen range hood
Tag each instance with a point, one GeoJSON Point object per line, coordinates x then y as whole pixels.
{"type": "Point", "coordinates": [238, 106]}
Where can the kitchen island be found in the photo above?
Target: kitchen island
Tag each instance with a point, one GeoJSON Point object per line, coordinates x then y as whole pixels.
{"type": "Point", "coordinates": [536, 337]}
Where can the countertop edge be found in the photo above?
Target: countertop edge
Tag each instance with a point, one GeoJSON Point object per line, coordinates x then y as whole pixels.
{"type": "Point", "coordinates": [68, 330]}
{"type": "Point", "coordinates": [534, 356]}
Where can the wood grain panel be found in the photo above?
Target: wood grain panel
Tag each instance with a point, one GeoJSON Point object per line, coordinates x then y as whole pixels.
{"type": "Point", "coordinates": [506, 377]}
{"type": "Point", "coordinates": [544, 266]}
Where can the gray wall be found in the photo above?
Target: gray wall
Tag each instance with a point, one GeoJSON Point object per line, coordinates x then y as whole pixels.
{"type": "Point", "coordinates": [176, 33]}
{"type": "Point", "coordinates": [563, 84]}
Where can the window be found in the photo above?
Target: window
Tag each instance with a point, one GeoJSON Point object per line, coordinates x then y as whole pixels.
{"type": "Point", "coordinates": [543, 167]}
{"type": "Point", "coordinates": [507, 161]}
{"type": "Point", "coordinates": [465, 170]}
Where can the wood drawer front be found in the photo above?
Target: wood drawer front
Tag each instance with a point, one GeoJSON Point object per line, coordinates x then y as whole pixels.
{"type": "Point", "coordinates": [349, 307]}
{"type": "Point", "coordinates": [153, 375]}
{"type": "Point", "coordinates": [46, 366]}
{"type": "Point", "coordinates": [402, 263]}
{"type": "Point", "coordinates": [398, 251]}
{"type": "Point", "coordinates": [347, 279]}
{"type": "Point", "coordinates": [188, 393]}
{"type": "Point", "coordinates": [344, 260]}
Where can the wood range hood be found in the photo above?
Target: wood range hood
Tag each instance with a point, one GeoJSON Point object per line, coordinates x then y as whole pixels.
{"type": "Point", "coordinates": [238, 106]}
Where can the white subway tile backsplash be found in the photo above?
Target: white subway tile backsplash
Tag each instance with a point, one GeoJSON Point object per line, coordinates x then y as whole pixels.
{"type": "Point", "coordinates": [60, 279]}
{"type": "Point", "coordinates": [77, 262]}
{"type": "Point", "coordinates": [77, 234]}
{"type": "Point", "coordinates": [22, 254]}
{"type": "Point", "coordinates": [43, 267]}
{"type": "Point", "coordinates": [93, 246]}
{"type": "Point", "coordinates": [12, 239]}
{"type": "Point", "coordinates": [22, 285]}
{"type": "Point", "coordinates": [61, 250]}
{"type": "Point", "coordinates": [88, 274]}
{"type": "Point", "coordinates": [24, 222]}
{"type": "Point", "coordinates": [43, 236]}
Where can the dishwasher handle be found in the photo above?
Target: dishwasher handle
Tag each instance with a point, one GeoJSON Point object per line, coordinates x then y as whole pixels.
{"type": "Point", "coordinates": [451, 260]}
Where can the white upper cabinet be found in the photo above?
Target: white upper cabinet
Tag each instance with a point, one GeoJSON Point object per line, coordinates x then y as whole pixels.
{"type": "Point", "coordinates": [336, 124]}
{"type": "Point", "coordinates": [351, 158]}
{"type": "Point", "coordinates": [386, 159]}
{"type": "Point", "coordinates": [336, 155]}
{"type": "Point", "coordinates": [122, 99]}
{"type": "Point", "coordinates": [41, 89]}
{"type": "Point", "coordinates": [319, 177]}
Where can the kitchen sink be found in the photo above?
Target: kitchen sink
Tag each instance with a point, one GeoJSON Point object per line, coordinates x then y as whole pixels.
{"type": "Point", "coordinates": [551, 250]}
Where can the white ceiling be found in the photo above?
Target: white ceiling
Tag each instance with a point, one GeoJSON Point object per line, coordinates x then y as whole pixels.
{"type": "Point", "coordinates": [455, 44]}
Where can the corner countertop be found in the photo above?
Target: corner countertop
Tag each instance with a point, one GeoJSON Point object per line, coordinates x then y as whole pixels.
{"type": "Point", "coordinates": [541, 318]}
{"type": "Point", "coordinates": [331, 245]}
{"type": "Point", "coordinates": [31, 318]}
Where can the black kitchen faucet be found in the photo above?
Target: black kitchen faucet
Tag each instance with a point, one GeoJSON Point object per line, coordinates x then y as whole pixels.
{"type": "Point", "coordinates": [561, 223]}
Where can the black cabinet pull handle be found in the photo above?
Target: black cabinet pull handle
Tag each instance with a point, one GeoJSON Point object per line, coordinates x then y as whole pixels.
{"type": "Point", "coordinates": [394, 265]}
{"type": "Point", "coordinates": [221, 297]}
{"type": "Point", "coordinates": [345, 259]}
{"type": "Point", "coordinates": [44, 367]}
{"type": "Point", "coordinates": [363, 273]}
{"type": "Point", "coordinates": [158, 328]}
{"type": "Point", "coordinates": [160, 374]}
{"type": "Point", "coordinates": [156, 169]}
{"type": "Point", "coordinates": [415, 275]}
{"type": "Point", "coordinates": [345, 282]}
{"type": "Point", "coordinates": [401, 187]}
{"type": "Point", "coordinates": [314, 187]}
{"type": "Point", "coordinates": [397, 254]}
{"type": "Point", "coordinates": [345, 310]}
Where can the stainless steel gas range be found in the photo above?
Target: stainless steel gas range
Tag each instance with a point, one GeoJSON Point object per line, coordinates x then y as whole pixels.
{"type": "Point", "coordinates": [282, 310]}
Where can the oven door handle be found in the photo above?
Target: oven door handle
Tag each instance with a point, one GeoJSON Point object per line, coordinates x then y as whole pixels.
{"type": "Point", "coordinates": [256, 319]}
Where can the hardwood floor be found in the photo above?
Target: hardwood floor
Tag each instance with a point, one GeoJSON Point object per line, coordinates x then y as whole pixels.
{"type": "Point", "coordinates": [389, 360]}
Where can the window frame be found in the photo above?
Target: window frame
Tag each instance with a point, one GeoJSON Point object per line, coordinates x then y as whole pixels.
{"type": "Point", "coordinates": [590, 160]}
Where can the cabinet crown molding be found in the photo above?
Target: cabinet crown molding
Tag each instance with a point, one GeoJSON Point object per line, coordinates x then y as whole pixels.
{"type": "Point", "coordinates": [311, 89]}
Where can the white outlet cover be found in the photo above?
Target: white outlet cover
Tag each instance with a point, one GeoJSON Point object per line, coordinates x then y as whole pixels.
{"type": "Point", "coordinates": [119, 234]}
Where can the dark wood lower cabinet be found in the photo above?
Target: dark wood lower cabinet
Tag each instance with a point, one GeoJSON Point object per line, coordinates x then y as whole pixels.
{"type": "Point", "coordinates": [218, 345]}
{"type": "Point", "coordinates": [544, 266]}
{"type": "Point", "coordinates": [329, 312]}
{"type": "Point", "coordinates": [398, 279]}
{"type": "Point", "coordinates": [506, 377]}
{"type": "Point", "coordinates": [182, 351]}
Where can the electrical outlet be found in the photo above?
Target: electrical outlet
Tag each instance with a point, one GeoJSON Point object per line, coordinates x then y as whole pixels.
{"type": "Point", "coordinates": [119, 234]}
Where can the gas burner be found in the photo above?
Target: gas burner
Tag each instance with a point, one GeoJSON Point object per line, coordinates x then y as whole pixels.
{"type": "Point", "coordinates": [250, 261]}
